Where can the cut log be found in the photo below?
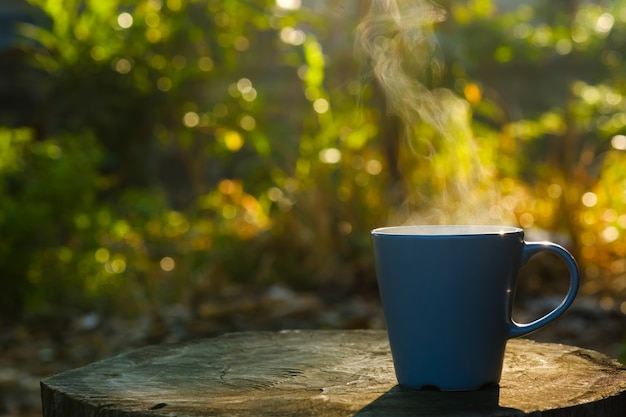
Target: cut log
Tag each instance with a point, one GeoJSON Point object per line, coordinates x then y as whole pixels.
{"type": "Point", "coordinates": [325, 373]}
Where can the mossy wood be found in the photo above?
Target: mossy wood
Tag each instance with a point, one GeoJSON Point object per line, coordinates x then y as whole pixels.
{"type": "Point", "coordinates": [325, 373]}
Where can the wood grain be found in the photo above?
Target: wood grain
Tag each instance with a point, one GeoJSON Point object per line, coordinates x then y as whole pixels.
{"type": "Point", "coordinates": [325, 373]}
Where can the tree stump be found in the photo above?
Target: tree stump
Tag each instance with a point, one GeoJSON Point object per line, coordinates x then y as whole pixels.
{"type": "Point", "coordinates": [325, 373]}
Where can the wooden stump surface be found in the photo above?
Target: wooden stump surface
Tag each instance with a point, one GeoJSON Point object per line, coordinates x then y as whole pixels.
{"type": "Point", "coordinates": [325, 373]}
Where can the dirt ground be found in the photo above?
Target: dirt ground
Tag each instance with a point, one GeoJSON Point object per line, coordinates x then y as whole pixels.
{"type": "Point", "coordinates": [39, 347]}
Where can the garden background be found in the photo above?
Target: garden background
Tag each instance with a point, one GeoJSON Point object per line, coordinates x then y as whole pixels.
{"type": "Point", "coordinates": [173, 169]}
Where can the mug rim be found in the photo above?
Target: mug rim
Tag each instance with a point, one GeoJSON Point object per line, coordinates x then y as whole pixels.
{"type": "Point", "coordinates": [445, 230]}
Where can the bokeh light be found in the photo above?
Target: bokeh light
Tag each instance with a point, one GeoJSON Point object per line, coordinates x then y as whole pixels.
{"type": "Point", "coordinates": [191, 119]}
{"type": "Point", "coordinates": [167, 264]}
{"type": "Point", "coordinates": [125, 20]}
{"type": "Point", "coordinates": [289, 4]}
{"type": "Point", "coordinates": [589, 199]}
{"type": "Point", "coordinates": [321, 105]}
{"type": "Point", "coordinates": [619, 142]}
{"type": "Point", "coordinates": [330, 155]}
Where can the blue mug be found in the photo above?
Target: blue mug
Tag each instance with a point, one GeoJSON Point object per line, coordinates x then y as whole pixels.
{"type": "Point", "coordinates": [447, 294]}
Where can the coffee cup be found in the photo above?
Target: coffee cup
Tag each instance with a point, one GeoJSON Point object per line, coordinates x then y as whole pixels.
{"type": "Point", "coordinates": [447, 294]}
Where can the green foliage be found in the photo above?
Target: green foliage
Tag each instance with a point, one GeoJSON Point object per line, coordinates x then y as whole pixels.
{"type": "Point", "coordinates": [556, 77]}
{"type": "Point", "coordinates": [47, 189]}
{"type": "Point", "coordinates": [177, 146]}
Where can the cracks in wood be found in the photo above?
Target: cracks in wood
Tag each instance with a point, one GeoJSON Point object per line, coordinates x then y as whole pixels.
{"type": "Point", "coordinates": [158, 406]}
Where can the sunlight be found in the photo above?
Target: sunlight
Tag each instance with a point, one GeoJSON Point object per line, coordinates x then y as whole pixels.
{"type": "Point", "coordinates": [554, 191]}
{"type": "Point", "coordinates": [321, 105]}
{"type": "Point", "coordinates": [244, 85]}
{"type": "Point", "coordinates": [526, 220]}
{"type": "Point", "coordinates": [610, 234]}
{"type": "Point", "coordinates": [563, 46]}
{"type": "Point", "coordinates": [115, 266]}
{"type": "Point", "coordinates": [249, 95]}
{"type": "Point", "coordinates": [605, 22]}
{"type": "Point", "coordinates": [289, 4]}
{"type": "Point", "coordinates": [122, 65]}
{"type": "Point", "coordinates": [292, 36]}
{"type": "Point", "coordinates": [247, 122]}
{"type": "Point", "coordinates": [167, 264]}
{"type": "Point", "coordinates": [191, 119]}
{"type": "Point", "coordinates": [374, 167]}
{"type": "Point", "coordinates": [275, 194]}
{"type": "Point", "coordinates": [330, 155]}
{"type": "Point", "coordinates": [125, 20]}
{"type": "Point", "coordinates": [619, 142]}
{"type": "Point", "coordinates": [241, 43]}
{"type": "Point", "coordinates": [589, 199]}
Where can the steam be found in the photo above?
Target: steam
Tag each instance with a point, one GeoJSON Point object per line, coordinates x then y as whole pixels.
{"type": "Point", "coordinates": [396, 40]}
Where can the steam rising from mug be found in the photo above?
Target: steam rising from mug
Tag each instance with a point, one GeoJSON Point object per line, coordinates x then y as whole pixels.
{"type": "Point", "coordinates": [397, 42]}
{"type": "Point", "coordinates": [396, 37]}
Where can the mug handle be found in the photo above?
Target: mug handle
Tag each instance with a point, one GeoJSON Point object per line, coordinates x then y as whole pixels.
{"type": "Point", "coordinates": [531, 248]}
